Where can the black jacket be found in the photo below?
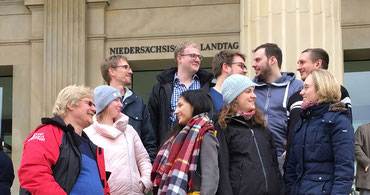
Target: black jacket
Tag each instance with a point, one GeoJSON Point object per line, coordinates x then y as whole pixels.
{"type": "Point", "coordinates": [137, 111]}
{"type": "Point", "coordinates": [247, 160]}
{"type": "Point", "coordinates": [160, 100]}
{"type": "Point", "coordinates": [6, 173]}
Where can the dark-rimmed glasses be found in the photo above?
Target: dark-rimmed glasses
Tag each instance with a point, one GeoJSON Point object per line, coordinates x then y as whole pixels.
{"type": "Point", "coordinates": [240, 64]}
{"type": "Point", "coordinates": [194, 56]}
{"type": "Point", "coordinates": [90, 103]}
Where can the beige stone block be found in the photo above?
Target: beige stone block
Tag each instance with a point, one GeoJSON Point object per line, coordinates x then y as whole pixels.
{"type": "Point", "coordinates": [172, 21]}
{"type": "Point", "coordinates": [96, 55]}
{"type": "Point", "coordinates": [11, 32]}
{"type": "Point", "coordinates": [355, 12]}
{"type": "Point", "coordinates": [95, 18]}
{"type": "Point", "coordinates": [135, 4]}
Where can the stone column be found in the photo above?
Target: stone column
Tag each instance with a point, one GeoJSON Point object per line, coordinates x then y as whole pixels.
{"type": "Point", "coordinates": [95, 23]}
{"type": "Point", "coordinates": [64, 47]}
{"type": "Point", "coordinates": [294, 25]}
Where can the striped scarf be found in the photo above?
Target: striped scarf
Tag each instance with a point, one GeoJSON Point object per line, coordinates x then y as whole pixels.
{"type": "Point", "coordinates": [176, 162]}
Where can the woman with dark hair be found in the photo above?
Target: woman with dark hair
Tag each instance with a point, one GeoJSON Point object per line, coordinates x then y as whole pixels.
{"type": "Point", "coordinates": [322, 151]}
{"type": "Point", "coordinates": [247, 157]}
{"type": "Point", "coordinates": [187, 161]}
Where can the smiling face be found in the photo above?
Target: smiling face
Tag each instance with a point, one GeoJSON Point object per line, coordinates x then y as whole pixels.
{"type": "Point", "coordinates": [121, 73]}
{"type": "Point", "coordinates": [245, 100]}
{"type": "Point", "coordinates": [309, 91]}
{"type": "Point", "coordinates": [187, 62]}
{"type": "Point", "coordinates": [114, 108]}
{"type": "Point", "coordinates": [305, 65]}
{"type": "Point", "coordinates": [84, 111]}
{"type": "Point", "coordinates": [261, 65]}
{"type": "Point", "coordinates": [184, 111]}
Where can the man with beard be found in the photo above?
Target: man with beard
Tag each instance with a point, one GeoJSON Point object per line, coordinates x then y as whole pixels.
{"type": "Point", "coordinates": [172, 82]}
{"type": "Point", "coordinates": [273, 89]}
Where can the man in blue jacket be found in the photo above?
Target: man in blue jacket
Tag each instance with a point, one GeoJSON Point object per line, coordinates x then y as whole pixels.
{"type": "Point", "coordinates": [117, 72]}
{"type": "Point", "coordinates": [273, 90]}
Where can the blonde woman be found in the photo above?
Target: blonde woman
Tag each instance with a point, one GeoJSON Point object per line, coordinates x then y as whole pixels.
{"type": "Point", "coordinates": [322, 152]}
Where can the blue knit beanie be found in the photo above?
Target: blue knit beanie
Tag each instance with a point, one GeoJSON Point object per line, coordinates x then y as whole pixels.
{"type": "Point", "coordinates": [103, 96]}
{"type": "Point", "coordinates": [235, 85]}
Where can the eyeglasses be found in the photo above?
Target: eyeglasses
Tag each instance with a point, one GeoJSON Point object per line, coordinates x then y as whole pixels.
{"type": "Point", "coordinates": [240, 64]}
{"type": "Point", "coordinates": [194, 56]}
{"type": "Point", "coordinates": [124, 66]}
{"type": "Point", "coordinates": [90, 103]}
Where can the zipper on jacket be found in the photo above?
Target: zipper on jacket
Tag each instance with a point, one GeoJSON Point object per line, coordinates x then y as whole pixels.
{"type": "Point", "coordinates": [260, 157]}
{"type": "Point", "coordinates": [267, 102]}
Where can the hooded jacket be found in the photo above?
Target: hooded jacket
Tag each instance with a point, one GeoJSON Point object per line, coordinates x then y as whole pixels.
{"type": "Point", "coordinates": [160, 100]}
{"type": "Point", "coordinates": [125, 156]}
{"type": "Point", "coordinates": [322, 152]}
{"type": "Point", "coordinates": [51, 161]}
{"type": "Point", "coordinates": [272, 99]}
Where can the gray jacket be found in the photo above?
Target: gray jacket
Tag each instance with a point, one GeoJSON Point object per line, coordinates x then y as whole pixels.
{"type": "Point", "coordinates": [272, 99]}
{"type": "Point", "coordinates": [362, 154]}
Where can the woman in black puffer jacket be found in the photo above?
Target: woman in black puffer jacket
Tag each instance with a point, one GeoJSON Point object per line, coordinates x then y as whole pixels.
{"type": "Point", "coordinates": [247, 155]}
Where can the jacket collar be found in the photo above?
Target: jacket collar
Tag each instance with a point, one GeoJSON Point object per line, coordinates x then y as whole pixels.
{"type": "Point", "coordinates": [167, 76]}
{"type": "Point", "coordinates": [286, 77]}
{"type": "Point", "coordinates": [114, 131]}
{"type": "Point", "coordinates": [57, 121]}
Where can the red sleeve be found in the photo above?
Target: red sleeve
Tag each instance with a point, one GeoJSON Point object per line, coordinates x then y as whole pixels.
{"type": "Point", "coordinates": [101, 166]}
{"type": "Point", "coordinates": [40, 152]}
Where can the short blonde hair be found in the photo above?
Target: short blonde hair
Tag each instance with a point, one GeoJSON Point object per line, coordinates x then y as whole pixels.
{"type": "Point", "coordinates": [70, 96]}
{"type": "Point", "coordinates": [327, 87]}
{"type": "Point", "coordinates": [179, 50]}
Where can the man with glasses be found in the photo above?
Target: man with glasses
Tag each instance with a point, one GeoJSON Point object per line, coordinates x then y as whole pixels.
{"type": "Point", "coordinates": [171, 83]}
{"type": "Point", "coordinates": [224, 64]}
{"type": "Point", "coordinates": [58, 157]}
{"type": "Point", "coordinates": [117, 72]}
{"type": "Point", "coordinates": [273, 90]}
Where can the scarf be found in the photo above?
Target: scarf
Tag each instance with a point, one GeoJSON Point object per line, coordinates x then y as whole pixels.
{"type": "Point", "coordinates": [176, 162]}
{"type": "Point", "coordinates": [306, 105]}
{"type": "Point", "coordinates": [246, 115]}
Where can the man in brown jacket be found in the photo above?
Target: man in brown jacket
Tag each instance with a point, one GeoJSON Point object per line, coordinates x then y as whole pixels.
{"type": "Point", "coordinates": [362, 153]}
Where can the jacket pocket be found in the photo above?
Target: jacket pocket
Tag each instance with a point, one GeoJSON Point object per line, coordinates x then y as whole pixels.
{"type": "Point", "coordinates": [316, 184]}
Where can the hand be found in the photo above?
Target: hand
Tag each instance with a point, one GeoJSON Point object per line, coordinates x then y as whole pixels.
{"type": "Point", "coordinates": [142, 186]}
{"type": "Point", "coordinates": [284, 154]}
{"type": "Point", "coordinates": [366, 168]}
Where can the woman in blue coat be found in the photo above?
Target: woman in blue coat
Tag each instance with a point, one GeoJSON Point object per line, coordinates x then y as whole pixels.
{"type": "Point", "coordinates": [322, 152]}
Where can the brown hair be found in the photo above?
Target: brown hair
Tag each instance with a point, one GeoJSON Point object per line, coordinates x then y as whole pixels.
{"type": "Point", "coordinates": [228, 111]}
{"type": "Point", "coordinates": [110, 62]}
{"type": "Point", "coordinates": [225, 56]}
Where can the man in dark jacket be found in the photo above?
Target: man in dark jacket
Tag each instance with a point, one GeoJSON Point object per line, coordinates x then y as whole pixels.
{"type": "Point", "coordinates": [171, 83]}
{"type": "Point", "coordinates": [6, 173]}
{"type": "Point", "coordinates": [58, 157]}
{"type": "Point", "coordinates": [117, 73]}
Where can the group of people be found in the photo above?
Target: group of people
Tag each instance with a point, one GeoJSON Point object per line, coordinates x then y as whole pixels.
{"type": "Point", "coordinates": [270, 135]}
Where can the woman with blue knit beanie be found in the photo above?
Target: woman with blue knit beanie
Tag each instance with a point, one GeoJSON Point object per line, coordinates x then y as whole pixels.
{"type": "Point", "coordinates": [125, 156]}
{"type": "Point", "coordinates": [247, 155]}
